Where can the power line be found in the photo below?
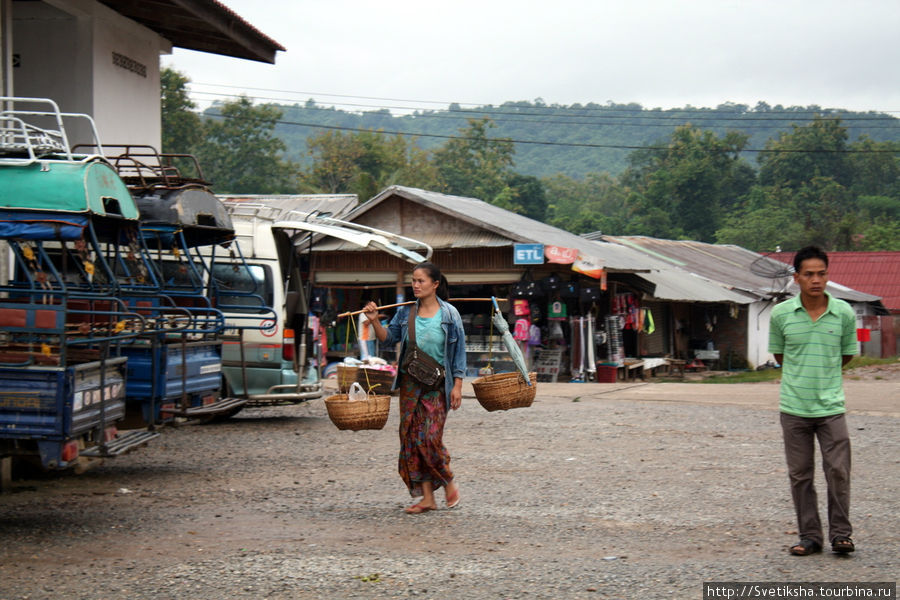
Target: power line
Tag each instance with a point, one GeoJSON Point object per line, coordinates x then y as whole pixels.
{"type": "Point", "coordinates": [709, 113]}
{"type": "Point", "coordinates": [549, 143]}
{"type": "Point", "coordinates": [550, 118]}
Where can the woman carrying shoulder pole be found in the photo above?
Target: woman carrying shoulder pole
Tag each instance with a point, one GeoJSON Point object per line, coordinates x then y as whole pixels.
{"type": "Point", "coordinates": [424, 462]}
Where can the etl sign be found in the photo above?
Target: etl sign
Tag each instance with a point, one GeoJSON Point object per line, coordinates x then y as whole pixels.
{"type": "Point", "coordinates": [528, 254]}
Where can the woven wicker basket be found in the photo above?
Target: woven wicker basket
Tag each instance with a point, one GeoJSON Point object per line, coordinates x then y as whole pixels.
{"type": "Point", "coordinates": [379, 380]}
{"type": "Point", "coordinates": [504, 391]}
{"type": "Point", "coordinates": [346, 375]}
{"type": "Point", "coordinates": [371, 413]}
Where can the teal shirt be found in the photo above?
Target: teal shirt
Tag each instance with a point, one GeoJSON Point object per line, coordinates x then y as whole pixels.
{"type": "Point", "coordinates": [430, 336]}
{"type": "Point", "coordinates": [811, 384]}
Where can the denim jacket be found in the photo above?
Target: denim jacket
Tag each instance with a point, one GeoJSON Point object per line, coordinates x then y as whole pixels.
{"type": "Point", "coordinates": [454, 342]}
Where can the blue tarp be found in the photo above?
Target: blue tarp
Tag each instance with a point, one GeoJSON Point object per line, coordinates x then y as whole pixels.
{"type": "Point", "coordinates": [158, 233]}
{"type": "Point", "coordinates": [41, 226]}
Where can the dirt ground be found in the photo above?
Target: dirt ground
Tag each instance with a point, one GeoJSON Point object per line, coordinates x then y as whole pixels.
{"type": "Point", "coordinates": [641, 490]}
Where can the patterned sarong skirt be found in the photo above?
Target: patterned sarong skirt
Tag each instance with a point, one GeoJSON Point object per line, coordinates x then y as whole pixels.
{"type": "Point", "coordinates": [423, 456]}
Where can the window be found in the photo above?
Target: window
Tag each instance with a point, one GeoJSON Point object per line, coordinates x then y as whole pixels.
{"type": "Point", "coordinates": [242, 288]}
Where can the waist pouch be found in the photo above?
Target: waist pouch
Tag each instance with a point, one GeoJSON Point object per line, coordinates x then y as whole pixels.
{"type": "Point", "coordinates": [424, 369]}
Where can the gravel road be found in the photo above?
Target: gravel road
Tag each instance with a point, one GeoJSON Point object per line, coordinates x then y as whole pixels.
{"type": "Point", "coordinates": [596, 491]}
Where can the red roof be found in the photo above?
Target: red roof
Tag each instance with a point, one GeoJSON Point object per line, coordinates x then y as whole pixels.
{"type": "Point", "coordinates": [876, 273]}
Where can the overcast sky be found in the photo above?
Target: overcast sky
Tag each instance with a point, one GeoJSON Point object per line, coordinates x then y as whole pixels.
{"type": "Point", "coordinates": [659, 53]}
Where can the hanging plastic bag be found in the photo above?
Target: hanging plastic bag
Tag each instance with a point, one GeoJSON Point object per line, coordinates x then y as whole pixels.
{"type": "Point", "coordinates": [356, 393]}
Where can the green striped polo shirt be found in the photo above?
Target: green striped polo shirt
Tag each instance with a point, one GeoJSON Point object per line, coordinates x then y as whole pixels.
{"type": "Point", "coordinates": [811, 383]}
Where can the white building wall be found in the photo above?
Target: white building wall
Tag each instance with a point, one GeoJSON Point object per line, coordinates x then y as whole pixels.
{"type": "Point", "coordinates": [66, 50]}
{"type": "Point", "coordinates": [126, 80]}
{"type": "Point", "coordinates": [758, 314]}
{"type": "Point", "coordinates": [52, 47]}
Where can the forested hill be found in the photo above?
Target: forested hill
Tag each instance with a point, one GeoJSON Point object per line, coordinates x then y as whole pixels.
{"type": "Point", "coordinates": [577, 139]}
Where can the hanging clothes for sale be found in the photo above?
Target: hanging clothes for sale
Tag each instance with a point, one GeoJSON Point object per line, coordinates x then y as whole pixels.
{"type": "Point", "coordinates": [649, 326]}
{"type": "Point", "coordinates": [614, 343]}
{"type": "Point", "coordinates": [626, 305]}
{"type": "Point", "coordinates": [576, 348]}
{"type": "Point", "coordinates": [589, 355]}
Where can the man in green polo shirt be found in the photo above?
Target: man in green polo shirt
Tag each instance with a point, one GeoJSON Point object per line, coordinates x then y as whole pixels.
{"type": "Point", "coordinates": [812, 336]}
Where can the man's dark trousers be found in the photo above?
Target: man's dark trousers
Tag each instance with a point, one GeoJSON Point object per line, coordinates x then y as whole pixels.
{"type": "Point", "coordinates": [800, 434]}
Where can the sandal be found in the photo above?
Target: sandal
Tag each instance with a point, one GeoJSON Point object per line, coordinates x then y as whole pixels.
{"type": "Point", "coordinates": [454, 499]}
{"type": "Point", "coordinates": [805, 547]}
{"type": "Point", "coordinates": [842, 544]}
{"type": "Point", "coordinates": [417, 509]}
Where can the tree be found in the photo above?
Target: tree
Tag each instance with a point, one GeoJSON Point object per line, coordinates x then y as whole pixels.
{"type": "Point", "coordinates": [683, 190]}
{"type": "Point", "coordinates": [840, 195]}
{"type": "Point", "coordinates": [825, 208]}
{"type": "Point", "coordinates": [475, 165]}
{"type": "Point", "coordinates": [875, 167]}
{"type": "Point", "coordinates": [182, 129]}
{"type": "Point", "coordinates": [882, 235]}
{"type": "Point", "coordinates": [365, 163]}
{"type": "Point", "coordinates": [763, 224]}
{"type": "Point", "coordinates": [596, 203]}
{"type": "Point", "coordinates": [240, 153]}
{"type": "Point", "coordinates": [815, 150]}
{"type": "Point", "coordinates": [526, 196]}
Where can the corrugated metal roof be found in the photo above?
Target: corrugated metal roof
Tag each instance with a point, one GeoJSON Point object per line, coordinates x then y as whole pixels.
{"type": "Point", "coordinates": [675, 285]}
{"type": "Point", "coordinates": [871, 272]}
{"type": "Point", "coordinates": [733, 267]}
{"type": "Point", "coordinates": [475, 239]}
{"type": "Point", "coordinates": [513, 227]}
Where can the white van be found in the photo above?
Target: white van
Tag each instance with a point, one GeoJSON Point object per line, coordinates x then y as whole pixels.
{"type": "Point", "coordinates": [269, 357]}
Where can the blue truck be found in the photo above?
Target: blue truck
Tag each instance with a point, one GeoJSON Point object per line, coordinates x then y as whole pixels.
{"type": "Point", "coordinates": [67, 220]}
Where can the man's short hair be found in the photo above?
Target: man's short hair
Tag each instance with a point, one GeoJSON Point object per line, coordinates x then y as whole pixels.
{"type": "Point", "coordinates": [807, 253]}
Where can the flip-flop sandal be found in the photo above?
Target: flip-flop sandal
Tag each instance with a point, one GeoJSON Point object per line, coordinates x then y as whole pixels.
{"type": "Point", "coordinates": [805, 548]}
{"type": "Point", "coordinates": [842, 545]}
{"type": "Point", "coordinates": [417, 509]}
{"type": "Point", "coordinates": [453, 500]}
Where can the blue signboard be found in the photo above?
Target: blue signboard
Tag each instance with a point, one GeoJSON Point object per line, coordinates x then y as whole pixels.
{"type": "Point", "coordinates": [528, 254]}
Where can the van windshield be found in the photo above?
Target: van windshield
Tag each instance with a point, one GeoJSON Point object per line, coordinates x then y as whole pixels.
{"type": "Point", "coordinates": [243, 288]}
